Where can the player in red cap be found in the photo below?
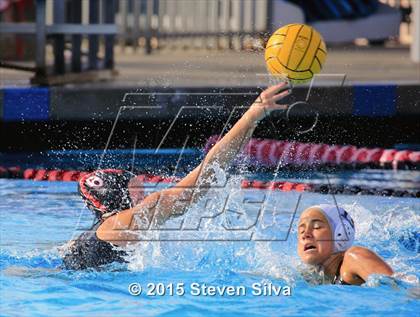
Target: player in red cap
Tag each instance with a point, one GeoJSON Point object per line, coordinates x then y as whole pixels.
{"type": "Point", "coordinates": [121, 209]}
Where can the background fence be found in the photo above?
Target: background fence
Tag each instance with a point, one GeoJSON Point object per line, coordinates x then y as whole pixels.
{"type": "Point", "coordinates": [190, 23]}
{"type": "Point", "coordinates": [85, 31]}
{"type": "Point", "coordinates": [204, 23]}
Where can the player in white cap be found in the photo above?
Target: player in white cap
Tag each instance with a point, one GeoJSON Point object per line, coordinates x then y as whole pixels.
{"type": "Point", "coordinates": [325, 239]}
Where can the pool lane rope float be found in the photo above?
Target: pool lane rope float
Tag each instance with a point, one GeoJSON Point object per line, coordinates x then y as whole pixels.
{"type": "Point", "coordinates": [73, 175]}
{"type": "Point", "coordinates": [271, 153]}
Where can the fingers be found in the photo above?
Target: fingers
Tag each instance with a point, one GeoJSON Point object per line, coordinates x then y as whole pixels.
{"type": "Point", "coordinates": [271, 100]}
{"type": "Point", "coordinates": [281, 95]}
{"type": "Point", "coordinates": [275, 107]}
{"type": "Point", "coordinates": [266, 102]}
{"type": "Point", "coordinates": [280, 107]}
{"type": "Point", "coordinates": [273, 90]}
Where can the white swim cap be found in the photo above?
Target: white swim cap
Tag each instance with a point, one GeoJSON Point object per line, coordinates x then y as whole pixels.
{"type": "Point", "coordinates": [341, 224]}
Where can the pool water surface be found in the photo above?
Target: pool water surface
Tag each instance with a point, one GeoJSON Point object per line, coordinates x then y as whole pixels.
{"type": "Point", "coordinates": [39, 217]}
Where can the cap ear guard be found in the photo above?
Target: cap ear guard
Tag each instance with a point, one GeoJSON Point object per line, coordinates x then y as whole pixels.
{"type": "Point", "coordinates": [106, 192]}
{"type": "Point", "coordinates": [343, 236]}
{"type": "Point", "coordinates": [342, 226]}
{"type": "Point", "coordinates": [88, 198]}
{"type": "Point", "coordinates": [91, 206]}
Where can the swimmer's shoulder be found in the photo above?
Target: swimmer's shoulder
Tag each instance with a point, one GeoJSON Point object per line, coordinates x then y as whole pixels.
{"type": "Point", "coordinates": [359, 263]}
{"type": "Point", "coordinates": [122, 228]}
{"type": "Point", "coordinates": [348, 270]}
{"type": "Point", "coordinates": [355, 254]}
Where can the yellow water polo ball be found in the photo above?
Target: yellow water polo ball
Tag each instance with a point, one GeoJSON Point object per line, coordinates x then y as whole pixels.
{"type": "Point", "coordinates": [296, 51]}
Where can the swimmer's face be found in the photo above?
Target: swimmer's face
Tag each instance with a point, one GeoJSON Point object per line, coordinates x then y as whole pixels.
{"type": "Point", "coordinates": [315, 243]}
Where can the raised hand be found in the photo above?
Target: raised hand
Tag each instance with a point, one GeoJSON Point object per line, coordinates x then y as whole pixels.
{"type": "Point", "coordinates": [267, 101]}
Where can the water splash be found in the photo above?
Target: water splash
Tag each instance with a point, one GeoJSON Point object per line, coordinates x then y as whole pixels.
{"type": "Point", "coordinates": [386, 228]}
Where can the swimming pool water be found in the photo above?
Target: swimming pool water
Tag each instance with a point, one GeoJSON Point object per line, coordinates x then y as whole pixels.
{"type": "Point", "coordinates": [38, 217]}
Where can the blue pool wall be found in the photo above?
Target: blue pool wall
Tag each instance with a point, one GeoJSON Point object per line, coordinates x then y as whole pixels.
{"type": "Point", "coordinates": [42, 118]}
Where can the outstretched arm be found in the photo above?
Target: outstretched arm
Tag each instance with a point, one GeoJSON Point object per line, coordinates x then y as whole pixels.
{"type": "Point", "coordinates": [161, 205]}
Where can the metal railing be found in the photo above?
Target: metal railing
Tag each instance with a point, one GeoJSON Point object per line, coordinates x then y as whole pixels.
{"type": "Point", "coordinates": [191, 23]}
{"type": "Point", "coordinates": [58, 22]}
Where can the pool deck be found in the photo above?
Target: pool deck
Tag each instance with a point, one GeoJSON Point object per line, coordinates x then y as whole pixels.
{"type": "Point", "coordinates": [210, 68]}
{"type": "Point", "coordinates": [385, 76]}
